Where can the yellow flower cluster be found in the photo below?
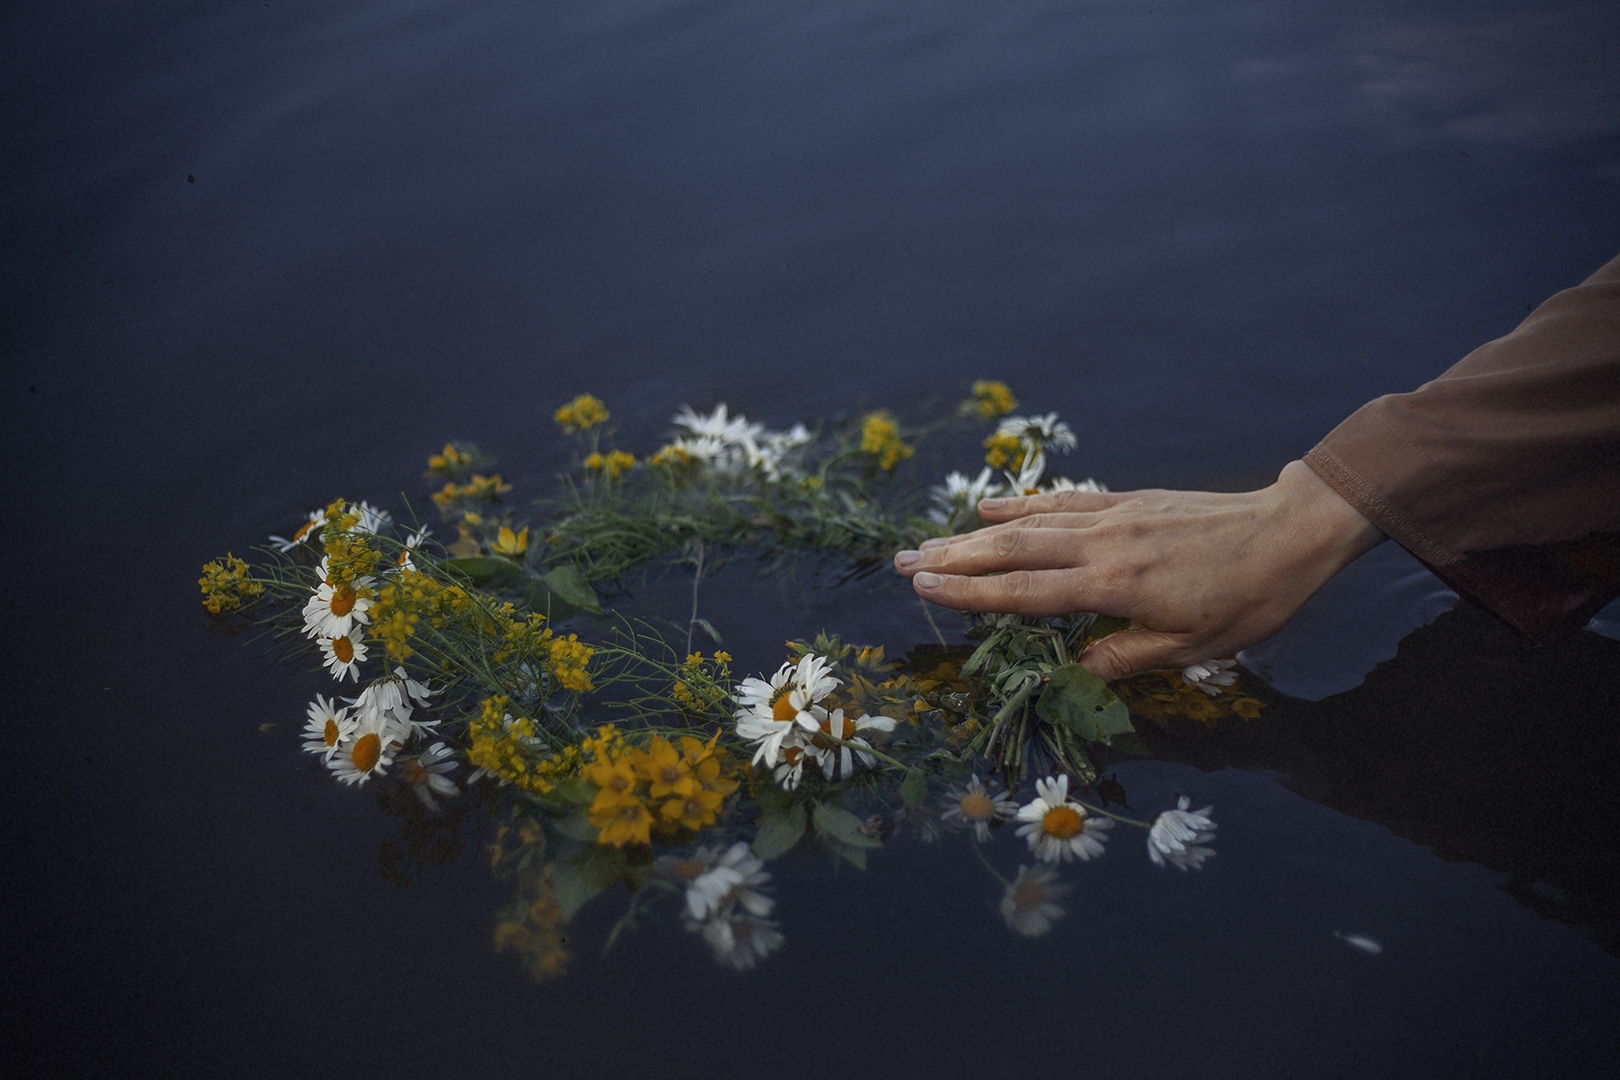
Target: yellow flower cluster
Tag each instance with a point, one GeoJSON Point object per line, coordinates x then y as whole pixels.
{"type": "Point", "coordinates": [702, 684]}
{"type": "Point", "coordinates": [506, 746]}
{"type": "Point", "coordinates": [581, 414]}
{"type": "Point", "coordinates": [880, 436]}
{"type": "Point", "coordinates": [612, 465]}
{"type": "Point", "coordinates": [1004, 452]}
{"type": "Point", "coordinates": [402, 603]}
{"type": "Point", "coordinates": [349, 554]}
{"type": "Point", "coordinates": [1174, 699]}
{"type": "Point", "coordinates": [226, 587]}
{"type": "Point", "coordinates": [453, 461]}
{"type": "Point", "coordinates": [990, 399]}
{"type": "Point", "coordinates": [534, 928]}
{"type": "Point", "coordinates": [673, 457]}
{"type": "Point", "coordinates": [480, 489]}
{"type": "Point", "coordinates": [568, 656]}
{"type": "Point", "coordinates": [686, 788]}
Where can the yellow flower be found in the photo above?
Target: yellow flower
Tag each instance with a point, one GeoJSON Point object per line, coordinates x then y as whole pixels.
{"type": "Point", "coordinates": [1004, 452]}
{"type": "Point", "coordinates": [880, 436]}
{"type": "Point", "coordinates": [581, 414]}
{"type": "Point", "coordinates": [226, 586]}
{"type": "Point", "coordinates": [612, 464]}
{"type": "Point", "coordinates": [453, 460]}
{"type": "Point", "coordinates": [990, 399]}
{"type": "Point", "coordinates": [511, 544]}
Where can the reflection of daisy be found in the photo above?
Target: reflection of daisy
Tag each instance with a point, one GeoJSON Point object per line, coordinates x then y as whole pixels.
{"type": "Point", "coordinates": [780, 713]}
{"type": "Point", "coordinates": [428, 773]}
{"type": "Point", "coordinates": [836, 760]}
{"type": "Point", "coordinates": [335, 609]}
{"type": "Point", "coordinates": [1210, 675]}
{"type": "Point", "coordinates": [368, 752]}
{"type": "Point", "coordinates": [975, 806]}
{"type": "Point", "coordinates": [1027, 905]}
{"type": "Point", "coordinates": [328, 727]}
{"type": "Point", "coordinates": [1059, 829]}
{"type": "Point", "coordinates": [732, 879]}
{"type": "Point", "coordinates": [740, 941]}
{"type": "Point", "coordinates": [343, 655]}
{"type": "Point", "coordinates": [1176, 836]}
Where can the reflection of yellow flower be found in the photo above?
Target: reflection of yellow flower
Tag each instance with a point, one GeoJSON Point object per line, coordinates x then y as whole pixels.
{"type": "Point", "coordinates": [581, 414]}
{"type": "Point", "coordinates": [612, 464]}
{"type": "Point", "coordinates": [880, 436]}
{"type": "Point", "coordinates": [990, 399]}
{"type": "Point", "coordinates": [511, 544]}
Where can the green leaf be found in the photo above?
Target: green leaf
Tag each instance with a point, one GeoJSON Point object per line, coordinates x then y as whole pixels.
{"type": "Point", "coordinates": [482, 569]}
{"type": "Point", "coordinates": [1081, 702]}
{"type": "Point", "coordinates": [836, 823]}
{"type": "Point", "coordinates": [577, 790]}
{"type": "Point", "coordinates": [779, 831]}
{"type": "Point", "coordinates": [569, 584]}
{"type": "Point", "coordinates": [914, 788]}
{"type": "Point", "coordinates": [576, 827]}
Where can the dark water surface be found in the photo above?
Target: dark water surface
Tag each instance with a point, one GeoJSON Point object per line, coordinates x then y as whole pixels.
{"type": "Point", "coordinates": [260, 255]}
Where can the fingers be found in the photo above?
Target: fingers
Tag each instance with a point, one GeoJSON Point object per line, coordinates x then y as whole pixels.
{"type": "Point", "coordinates": [1021, 592]}
{"type": "Point", "coordinates": [1119, 655]}
{"type": "Point", "coordinates": [994, 550]}
{"type": "Point", "coordinates": [997, 510]}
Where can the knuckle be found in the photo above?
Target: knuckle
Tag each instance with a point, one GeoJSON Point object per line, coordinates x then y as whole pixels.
{"type": "Point", "coordinates": [1007, 542]}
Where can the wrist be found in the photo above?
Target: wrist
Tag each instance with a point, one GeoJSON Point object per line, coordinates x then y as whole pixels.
{"type": "Point", "coordinates": [1331, 532]}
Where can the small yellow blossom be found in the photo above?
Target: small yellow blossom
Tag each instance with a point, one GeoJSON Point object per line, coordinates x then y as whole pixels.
{"type": "Point", "coordinates": [452, 461]}
{"type": "Point", "coordinates": [226, 585]}
{"type": "Point", "coordinates": [880, 436]}
{"type": "Point", "coordinates": [990, 399]}
{"type": "Point", "coordinates": [611, 465]}
{"type": "Point", "coordinates": [511, 544]}
{"type": "Point", "coordinates": [1004, 452]}
{"type": "Point", "coordinates": [581, 414]}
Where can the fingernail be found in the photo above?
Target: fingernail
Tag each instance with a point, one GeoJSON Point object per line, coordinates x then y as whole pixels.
{"type": "Point", "coordinates": [992, 504]}
{"type": "Point", "coordinates": [936, 542]}
{"type": "Point", "coordinates": [906, 558]}
{"type": "Point", "coordinates": [927, 580]}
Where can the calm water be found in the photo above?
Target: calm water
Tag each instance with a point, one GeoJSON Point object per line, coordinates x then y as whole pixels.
{"type": "Point", "coordinates": [260, 255]}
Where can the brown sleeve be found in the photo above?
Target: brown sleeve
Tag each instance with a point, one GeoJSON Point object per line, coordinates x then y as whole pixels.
{"type": "Point", "coordinates": [1503, 475]}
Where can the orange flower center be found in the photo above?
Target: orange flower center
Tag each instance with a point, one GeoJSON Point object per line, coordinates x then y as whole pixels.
{"type": "Point", "coordinates": [343, 598]}
{"type": "Point", "coordinates": [687, 868]}
{"type": "Point", "coordinates": [792, 754]}
{"type": "Point", "coordinates": [414, 772]}
{"type": "Point", "coordinates": [1063, 822]}
{"type": "Point", "coordinates": [331, 732]}
{"type": "Point", "coordinates": [782, 710]}
{"type": "Point", "coordinates": [1027, 897]}
{"type": "Point", "coordinates": [343, 649]}
{"type": "Point", "coordinates": [367, 751]}
{"type": "Point", "coordinates": [978, 806]}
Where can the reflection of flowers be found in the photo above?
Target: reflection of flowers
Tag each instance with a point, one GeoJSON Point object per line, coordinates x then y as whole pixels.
{"type": "Point", "coordinates": [741, 941]}
{"type": "Point", "coordinates": [1177, 836]}
{"type": "Point", "coordinates": [717, 885]}
{"type": "Point", "coordinates": [1060, 829]}
{"type": "Point", "coordinates": [428, 773]}
{"type": "Point", "coordinates": [1027, 905]}
{"type": "Point", "coordinates": [1210, 675]}
{"type": "Point", "coordinates": [975, 806]}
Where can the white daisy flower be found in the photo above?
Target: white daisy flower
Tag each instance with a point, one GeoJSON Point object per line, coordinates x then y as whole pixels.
{"type": "Point", "coordinates": [428, 773]}
{"type": "Point", "coordinates": [732, 879]}
{"type": "Point", "coordinates": [1210, 675]}
{"type": "Point", "coordinates": [839, 761]}
{"type": "Point", "coordinates": [1058, 828]}
{"type": "Point", "coordinates": [344, 655]}
{"type": "Point", "coordinates": [1027, 481]}
{"type": "Point", "coordinates": [731, 430]}
{"type": "Point", "coordinates": [1028, 905]}
{"type": "Point", "coordinates": [768, 713]}
{"type": "Point", "coordinates": [958, 496]}
{"type": "Point", "coordinates": [335, 610]}
{"type": "Point", "coordinates": [974, 806]}
{"type": "Point", "coordinates": [389, 701]}
{"type": "Point", "coordinates": [311, 528]}
{"type": "Point", "coordinates": [412, 542]}
{"type": "Point", "coordinates": [1043, 431]}
{"type": "Point", "coordinates": [740, 941]}
{"type": "Point", "coordinates": [1177, 835]}
{"type": "Point", "coordinates": [1063, 483]}
{"type": "Point", "coordinates": [372, 519]}
{"type": "Point", "coordinates": [328, 727]}
{"type": "Point", "coordinates": [368, 752]}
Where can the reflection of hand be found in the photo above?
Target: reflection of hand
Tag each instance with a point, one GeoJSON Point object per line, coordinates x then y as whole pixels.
{"type": "Point", "coordinates": [1205, 574]}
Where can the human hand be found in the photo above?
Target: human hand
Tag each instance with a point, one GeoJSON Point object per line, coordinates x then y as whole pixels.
{"type": "Point", "coordinates": [1205, 574]}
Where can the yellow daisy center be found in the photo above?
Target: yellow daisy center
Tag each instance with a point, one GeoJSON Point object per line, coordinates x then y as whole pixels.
{"type": "Point", "coordinates": [782, 710]}
{"type": "Point", "coordinates": [331, 732]}
{"type": "Point", "coordinates": [414, 772]}
{"type": "Point", "coordinates": [978, 806]}
{"type": "Point", "coordinates": [343, 598]}
{"type": "Point", "coordinates": [1063, 822]}
{"type": "Point", "coordinates": [687, 868]}
{"type": "Point", "coordinates": [846, 730]}
{"type": "Point", "coordinates": [343, 649]}
{"type": "Point", "coordinates": [1028, 895]}
{"type": "Point", "coordinates": [367, 752]}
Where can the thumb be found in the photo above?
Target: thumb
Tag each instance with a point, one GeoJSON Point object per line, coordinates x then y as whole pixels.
{"type": "Point", "coordinates": [1129, 652]}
